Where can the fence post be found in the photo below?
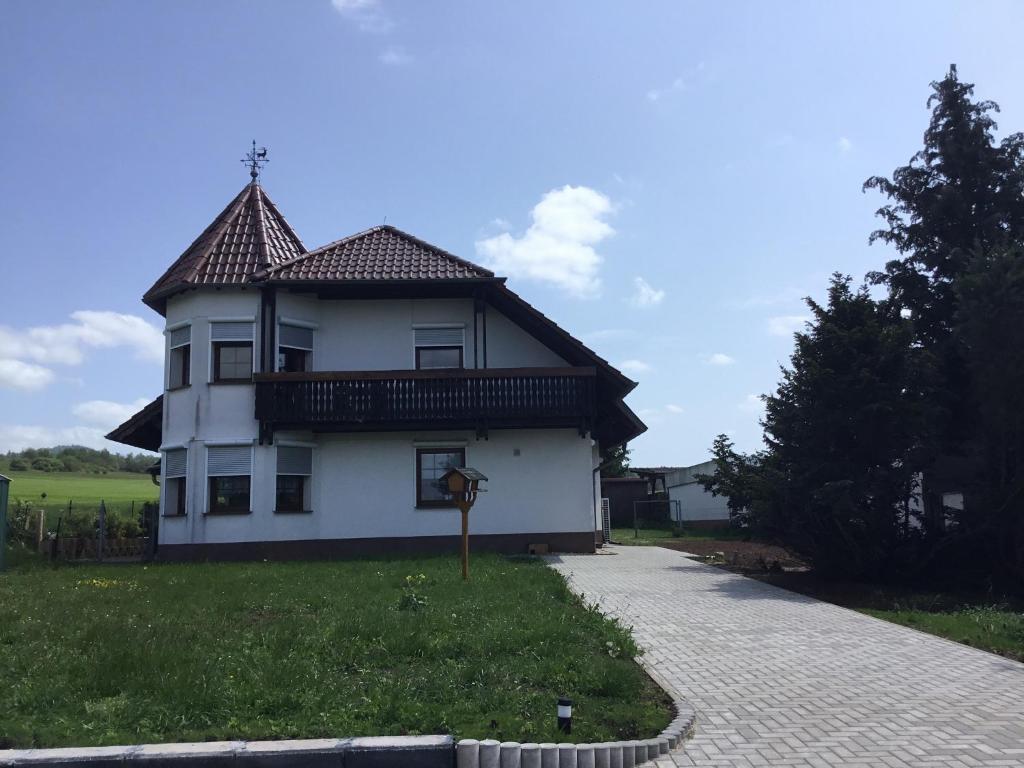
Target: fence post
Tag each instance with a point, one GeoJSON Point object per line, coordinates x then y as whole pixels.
{"type": "Point", "coordinates": [41, 528]}
{"type": "Point", "coordinates": [102, 532]}
{"type": "Point", "coordinates": [5, 483]}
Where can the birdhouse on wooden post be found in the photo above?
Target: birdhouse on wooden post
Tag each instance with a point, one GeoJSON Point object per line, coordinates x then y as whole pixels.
{"type": "Point", "coordinates": [463, 484]}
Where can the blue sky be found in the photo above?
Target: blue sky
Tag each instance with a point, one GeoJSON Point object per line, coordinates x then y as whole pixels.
{"type": "Point", "coordinates": [664, 179]}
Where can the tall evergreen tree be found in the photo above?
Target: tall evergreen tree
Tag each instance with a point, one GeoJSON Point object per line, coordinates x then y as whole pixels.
{"type": "Point", "coordinates": [989, 331]}
{"type": "Point", "coordinates": [961, 193]}
{"type": "Point", "coordinates": [957, 219]}
{"type": "Point", "coordinates": [843, 432]}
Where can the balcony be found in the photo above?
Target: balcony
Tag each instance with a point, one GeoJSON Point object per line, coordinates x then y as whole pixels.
{"type": "Point", "coordinates": [478, 399]}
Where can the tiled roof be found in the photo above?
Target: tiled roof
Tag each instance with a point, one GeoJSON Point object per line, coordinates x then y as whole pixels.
{"type": "Point", "coordinates": [380, 253]}
{"type": "Point", "coordinates": [249, 235]}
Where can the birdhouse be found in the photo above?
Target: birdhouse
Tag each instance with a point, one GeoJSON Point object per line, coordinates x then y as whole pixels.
{"type": "Point", "coordinates": [463, 483]}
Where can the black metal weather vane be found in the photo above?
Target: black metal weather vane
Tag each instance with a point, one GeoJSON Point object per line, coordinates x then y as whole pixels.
{"type": "Point", "coordinates": [256, 159]}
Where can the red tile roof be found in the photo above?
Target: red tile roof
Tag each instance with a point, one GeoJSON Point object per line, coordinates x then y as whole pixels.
{"type": "Point", "coordinates": [249, 235]}
{"type": "Point", "coordinates": [380, 253]}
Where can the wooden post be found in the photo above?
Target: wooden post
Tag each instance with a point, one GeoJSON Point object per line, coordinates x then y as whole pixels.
{"type": "Point", "coordinates": [41, 529]}
{"type": "Point", "coordinates": [102, 531]}
{"type": "Point", "coordinates": [464, 508]}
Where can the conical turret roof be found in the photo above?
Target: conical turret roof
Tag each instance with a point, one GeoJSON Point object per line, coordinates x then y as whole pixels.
{"type": "Point", "coordinates": [250, 235]}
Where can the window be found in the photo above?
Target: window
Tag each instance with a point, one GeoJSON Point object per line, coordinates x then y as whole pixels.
{"type": "Point", "coordinates": [175, 482]}
{"type": "Point", "coordinates": [431, 464]}
{"type": "Point", "coordinates": [439, 347]}
{"type": "Point", "coordinates": [438, 357]}
{"type": "Point", "coordinates": [232, 351]}
{"type": "Point", "coordinates": [294, 348]}
{"type": "Point", "coordinates": [232, 361]}
{"type": "Point", "coordinates": [229, 495]}
{"type": "Point", "coordinates": [294, 468]}
{"type": "Point", "coordinates": [180, 367]}
{"type": "Point", "coordinates": [229, 468]}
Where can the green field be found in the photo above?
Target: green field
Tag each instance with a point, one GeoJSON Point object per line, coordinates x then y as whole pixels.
{"type": "Point", "coordinates": [99, 655]}
{"type": "Point", "coordinates": [117, 489]}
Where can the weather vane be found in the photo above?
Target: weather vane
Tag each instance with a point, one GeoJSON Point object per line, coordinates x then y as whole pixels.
{"type": "Point", "coordinates": [256, 159]}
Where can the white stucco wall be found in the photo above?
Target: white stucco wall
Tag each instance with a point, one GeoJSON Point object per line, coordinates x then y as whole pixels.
{"type": "Point", "coordinates": [364, 485]}
{"type": "Point", "coordinates": [697, 504]}
{"type": "Point", "coordinates": [365, 335]}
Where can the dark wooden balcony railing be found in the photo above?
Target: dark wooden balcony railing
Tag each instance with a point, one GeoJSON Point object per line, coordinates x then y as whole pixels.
{"type": "Point", "coordinates": [444, 398]}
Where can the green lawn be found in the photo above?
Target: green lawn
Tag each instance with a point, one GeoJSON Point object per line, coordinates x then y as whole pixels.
{"type": "Point", "coordinates": [991, 628]}
{"type": "Point", "coordinates": [93, 655]}
{"type": "Point", "coordinates": [655, 536]}
{"type": "Point", "coordinates": [117, 489]}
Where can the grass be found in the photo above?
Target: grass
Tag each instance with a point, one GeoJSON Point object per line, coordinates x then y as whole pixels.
{"type": "Point", "coordinates": [117, 489]}
{"type": "Point", "coordinates": [94, 655]}
{"type": "Point", "coordinates": [655, 536]}
{"type": "Point", "coordinates": [993, 628]}
{"type": "Point", "coordinates": [970, 619]}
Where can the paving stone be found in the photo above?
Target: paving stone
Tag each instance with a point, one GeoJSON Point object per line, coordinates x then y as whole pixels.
{"type": "Point", "coordinates": [783, 679]}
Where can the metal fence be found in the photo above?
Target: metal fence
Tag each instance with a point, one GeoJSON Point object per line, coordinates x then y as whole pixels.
{"type": "Point", "coordinates": [5, 484]}
{"type": "Point", "coordinates": [85, 531]}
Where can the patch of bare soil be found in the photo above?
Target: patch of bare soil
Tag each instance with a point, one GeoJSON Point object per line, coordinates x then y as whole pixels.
{"type": "Point", "coordinates": [739, 556]}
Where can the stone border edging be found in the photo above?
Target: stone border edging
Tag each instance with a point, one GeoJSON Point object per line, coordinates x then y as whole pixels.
{"type": "Point", "coordinates": [490, 753]}
{"type": "Point", "coordinates": [363, 752]}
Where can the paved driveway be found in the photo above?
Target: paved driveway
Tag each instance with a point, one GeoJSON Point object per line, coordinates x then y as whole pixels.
{"type": "Point", "coordinates": [779, 679]}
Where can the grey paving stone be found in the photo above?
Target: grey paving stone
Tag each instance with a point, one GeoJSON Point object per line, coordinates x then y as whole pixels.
{"type": "Point", "coordinates": [782, 679]}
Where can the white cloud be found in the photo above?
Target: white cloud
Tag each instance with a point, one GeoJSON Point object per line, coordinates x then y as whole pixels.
{"type": "Point", "coordinates": [719, 358]}
{"type": "Point", "coordinates": [107, 414]}
{"type": "Point", "coordinates": [559, 245]}
{"type": "Point", "coordinates": [751, 404]}
{"type": "Point", "coordinates": [673, 408]}
{"type": "Point", "coordinates": [656, 94]}
{"type": "Point", "coordinates": [20, 437]}
{"type": "Point", "coordinates": [503, 224]}
{"type": "Point", "coordinates": [645, 295]}
{"type": "Point", "coordinates": [844, 144]}
{"type": "Point", "coordinates": [635, 366]}
{"type": "Point", "coordinates": [692, 76]}
{"type": "Point", "coordinates": [608, 334]}
{"type": "Point", "coordinates": [67, 343]}
{"type": "Point", "coordinates": [15, 374]}
{"type": "Point", "coordinates": [394, 56]}
{"type": "Point", "coordinates": [786, 325]}
{"type": "Point", "coordinates": [368, 15]}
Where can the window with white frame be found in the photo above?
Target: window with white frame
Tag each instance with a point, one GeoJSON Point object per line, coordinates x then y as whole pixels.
{"type": "Point", "coordinates": [175, 481]}
{"type": "Point", "coordinates": [229, 473]}
{"type": "Point", "coordinates": [294, 347]}
{"type": "Point", "coordinates": [179, 369]}
{"type": "Point", "coordinates": [294, 472]}
{"type": "Point", "coordinates": [231, 350]}
{"type": "Point", "coordinates": [440, 347]}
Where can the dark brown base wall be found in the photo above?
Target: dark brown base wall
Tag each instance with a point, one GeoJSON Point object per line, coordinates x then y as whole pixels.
{"type": "Point", "coordinates": [327, 549]}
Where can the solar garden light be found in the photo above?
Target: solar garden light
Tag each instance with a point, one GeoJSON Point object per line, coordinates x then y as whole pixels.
{"type": "Point", "coordinates": [463, 484]}
{"type": "Point", "coordinates": [565, 715]}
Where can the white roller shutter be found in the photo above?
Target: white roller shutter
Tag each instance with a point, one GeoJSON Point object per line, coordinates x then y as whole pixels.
{"type": "Point", "coordinates": [181, 336]}
{"type": "Point", "coordinates": [294, 336]}
{"type": "Point", "coordinates": [228, 460]}
{"type": "Point", "coordinates": [294, 460]}
{"type": "Point", "coordinates": [231, 331]}
{"type": "Point", "coordinates": [439, 337]}
{"type": "Point", "coordinates": [175, 462]}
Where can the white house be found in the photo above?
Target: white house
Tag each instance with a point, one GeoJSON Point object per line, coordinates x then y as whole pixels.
{"type": "Point", "coordinates": [696, 506]}
{"type": "Point", "coordinates": [313, 398]}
